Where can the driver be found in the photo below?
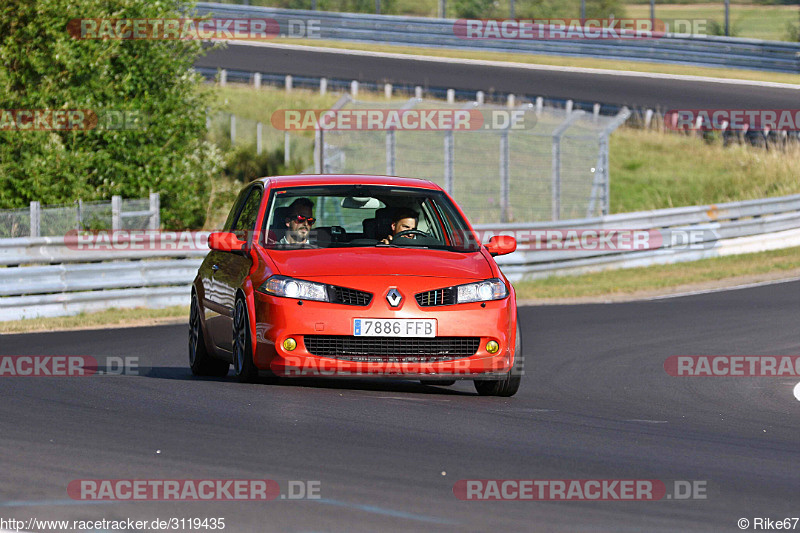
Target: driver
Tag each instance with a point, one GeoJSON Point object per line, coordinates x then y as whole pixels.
{"type": "Point", "coordinates": [404, 219]}
{"type": "Point", "coordinates": [298, 222]}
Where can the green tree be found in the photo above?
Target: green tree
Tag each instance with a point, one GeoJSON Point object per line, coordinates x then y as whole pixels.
{"type": "Point", "coordinates": [43, 67]}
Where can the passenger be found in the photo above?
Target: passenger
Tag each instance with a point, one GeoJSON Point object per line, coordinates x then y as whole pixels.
{"type": "Point", "coordinates": [404, 219]}
{"type": "Point", "coordinates": [299, 222]}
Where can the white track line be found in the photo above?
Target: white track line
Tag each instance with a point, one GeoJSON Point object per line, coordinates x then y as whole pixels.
{"type": "Point", "coordinates": [509, 64]}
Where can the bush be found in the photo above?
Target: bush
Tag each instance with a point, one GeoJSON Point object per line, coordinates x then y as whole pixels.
{"type": "Point", "coordinates": [244, 164]}
{"type": "Point", "coordinates": [43, 67]}
{"type": "Point", "coordinates": [473, 9]}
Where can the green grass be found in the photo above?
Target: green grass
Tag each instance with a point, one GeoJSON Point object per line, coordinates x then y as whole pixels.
{"type": "Point", "coordinates": [108, 318]}
{"type": "Point", "coordinates": [654, 170]}
{"type": "Point", "coordinates": [661, 278]}
{"type": "Point", "coordinates": [748, 20]}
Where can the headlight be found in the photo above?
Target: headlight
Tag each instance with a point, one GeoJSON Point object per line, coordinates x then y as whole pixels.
{"type": "Point", "coordinates": [295, 288]}
{"type": "Point", "coordinates": [482, 291]}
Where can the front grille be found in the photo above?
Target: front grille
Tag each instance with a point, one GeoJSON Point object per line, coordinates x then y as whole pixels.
{"type": "Point", "coordinates": [446, 296]}
{"type": "Point", "coordinates": [391, 349]}
{"type": "Point", "coordinates": [343, 295]}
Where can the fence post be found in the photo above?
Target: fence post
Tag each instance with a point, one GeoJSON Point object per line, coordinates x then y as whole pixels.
{"type": "Point", "coordinates": [79, 214]}
{"type": "Point", "coordinates": [289, 83]}
{"type": "Point", "coordinates": [451, 96]}
{"type": "Point", "coordinates": [354, 89]}
{"type": "Point", "coordinates": [155, 211]}
{"type": "Point", "coordinates": [391, 147]}
{"type": "Point", "coordinates": [223, 77]}
{"type": "Point", "coordinates": [323, 86]}
{"type": "Point", "coordinates": [504, 177]}
{"type": "Point", "coordinates": [648, 118]}
{"type": "Point", "coordinates": [556, 164]}
{"type": "Point", "coordinates": [418, 91]}
{"type": "Point", "coordinates": [233, 129]}
{"type": "Point", "coordinates": [258, 137]}
{"type": "Point", "coordinates": [36, 219]}
{"type": "Point", "coordinates": [479, 96]}
{"type": "Point", "coordinates": [319, 150]}
{"type": "Point", "coordinates": [116, 212]}
{"type": "Point", "coordinates": [257, 80]}
{"type": "Point", "coordinates": [387, 90]}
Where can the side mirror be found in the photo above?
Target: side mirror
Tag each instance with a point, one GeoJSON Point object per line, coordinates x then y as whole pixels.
{"type": "Point", "coordinates": [501, 245]}
{"type": "Point", "coordinates": [224, 241]}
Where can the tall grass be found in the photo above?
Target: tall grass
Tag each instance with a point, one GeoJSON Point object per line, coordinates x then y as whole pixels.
{"type": "Point", "coordinates": [653, 170]}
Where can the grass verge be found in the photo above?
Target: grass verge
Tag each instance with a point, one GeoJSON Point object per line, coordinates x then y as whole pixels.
{"type": "Point", "coordinates": [655, 170]}
{"type": "Point", "coordinates": [109, 318]}
{"type": "Point", "coordinates": [665, 279]}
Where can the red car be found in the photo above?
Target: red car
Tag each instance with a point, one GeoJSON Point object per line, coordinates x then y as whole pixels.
{"type": "Point", "coordinates": [371, 276]}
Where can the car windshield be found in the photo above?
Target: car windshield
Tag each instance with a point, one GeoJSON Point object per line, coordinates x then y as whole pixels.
{"type": "Point", "coordinates": [365, 216]}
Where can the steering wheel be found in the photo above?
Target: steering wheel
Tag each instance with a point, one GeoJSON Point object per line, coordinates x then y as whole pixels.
{"type": "Point", "coordinates": [407, 232]}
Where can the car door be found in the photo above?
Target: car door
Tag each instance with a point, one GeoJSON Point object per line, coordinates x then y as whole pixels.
{"type": "Point", "coordinates": [229, 269]}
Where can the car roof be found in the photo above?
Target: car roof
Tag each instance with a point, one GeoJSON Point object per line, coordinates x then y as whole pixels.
{"type": "Point", "coordinates": [346, 179]}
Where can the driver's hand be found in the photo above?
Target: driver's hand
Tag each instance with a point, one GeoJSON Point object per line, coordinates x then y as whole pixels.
{"type": "Point", "coordinates": [386, 240]}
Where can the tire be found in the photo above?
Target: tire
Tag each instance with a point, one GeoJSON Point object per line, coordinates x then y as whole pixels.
{"type": "Point", "coordinates": [243, 367]}
{"type": "Point", "coordinates": [200, 361]}
{"type": "Point", "coordinates": [438, 382]}
{"type": "Point", "coordinates": [509, 385]}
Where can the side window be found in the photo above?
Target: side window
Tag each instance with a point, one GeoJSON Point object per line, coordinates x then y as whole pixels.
{"type": "Point", "coordinates": [246, 220]}
{"type": "Point", "coordinates": [237, 206]}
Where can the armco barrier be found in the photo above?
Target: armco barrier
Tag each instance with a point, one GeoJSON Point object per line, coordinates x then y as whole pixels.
{"type": "Point", "coordinates": [46, 277]}
{"type": "Point", "coordinates": [437, 33]}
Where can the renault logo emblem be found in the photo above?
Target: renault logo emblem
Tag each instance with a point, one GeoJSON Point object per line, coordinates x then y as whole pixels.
{"type": "Point", "coordinates": [394, 297]}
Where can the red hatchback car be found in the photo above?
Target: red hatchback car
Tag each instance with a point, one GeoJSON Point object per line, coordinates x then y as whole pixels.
{"type": "Point", "coordinates": [343, 276]}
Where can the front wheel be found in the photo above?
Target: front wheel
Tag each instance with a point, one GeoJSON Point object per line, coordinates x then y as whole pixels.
{"type": "Point", "coordinates": [200, 361]}
{"type": "Point", "coordinates": [243, 367]}
{"type": "Point", "coordinates": [508, 385]}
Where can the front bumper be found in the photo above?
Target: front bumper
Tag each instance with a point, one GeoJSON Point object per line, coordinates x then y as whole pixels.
{"type": "Point", "coordinates": [279, 318]}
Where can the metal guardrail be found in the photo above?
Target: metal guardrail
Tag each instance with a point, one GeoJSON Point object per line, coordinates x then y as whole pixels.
{"type": "Point", "coordinates": [438, 33]}
{"type": "Point", "coordinates": [134, 278]}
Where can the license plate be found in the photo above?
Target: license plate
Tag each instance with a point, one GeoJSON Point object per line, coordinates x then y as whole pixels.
{"type": "Point", "coordinates": [394, 327]}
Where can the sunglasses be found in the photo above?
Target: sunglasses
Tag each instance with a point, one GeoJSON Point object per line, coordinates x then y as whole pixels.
{"type": "Point", "coordinates": [299, 219]}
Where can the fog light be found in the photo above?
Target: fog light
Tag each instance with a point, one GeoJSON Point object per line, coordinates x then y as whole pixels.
{"type": "Point", "coordinates": [289, 344]}
{"type": "Point", "coordinates": [492, 347]}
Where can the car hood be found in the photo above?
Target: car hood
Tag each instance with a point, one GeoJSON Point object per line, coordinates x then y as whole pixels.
{"type": "Point", "coordinates": [380, 262]}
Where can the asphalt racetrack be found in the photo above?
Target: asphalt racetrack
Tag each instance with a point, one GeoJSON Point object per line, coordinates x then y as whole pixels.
{"type": "Point", "coordinates": [634, 91]}
{"type": "Point", "coordinates": [596, 404]}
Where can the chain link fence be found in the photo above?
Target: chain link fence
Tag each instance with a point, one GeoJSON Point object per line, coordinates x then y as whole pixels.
{"type": "Point", "coordinates": [56, 220]}
{"type": "Point", "coordinates": [553, 167]}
